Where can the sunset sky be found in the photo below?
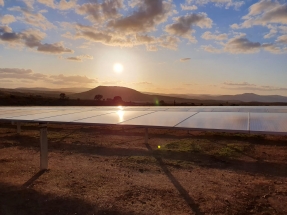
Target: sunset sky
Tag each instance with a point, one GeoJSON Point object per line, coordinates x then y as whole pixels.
{"type": "Point", "coordinates": [182, 46]}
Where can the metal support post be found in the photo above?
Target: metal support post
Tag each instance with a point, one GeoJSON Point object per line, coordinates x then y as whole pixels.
{"type": "Point", "coordinates": [43, 147]}
{"type": "Point", "coordinates": [146, 135]}
{"type": "Point", "coordinates": [18, 127]}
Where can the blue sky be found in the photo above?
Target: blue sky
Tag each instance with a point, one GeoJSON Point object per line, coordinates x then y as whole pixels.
{"type": "Point", "coordinates": [184, 46]}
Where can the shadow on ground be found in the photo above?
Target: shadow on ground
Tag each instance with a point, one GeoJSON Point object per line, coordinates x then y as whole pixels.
{"type": "Point", "coordinates": [25, 201]}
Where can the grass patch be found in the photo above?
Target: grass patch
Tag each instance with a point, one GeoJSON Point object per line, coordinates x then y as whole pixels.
{"type": "Point", "coordinates": [185, 146]}
{"type": "Point", "coordinates": [227, 152]}
{"type": "Point", "coordinates": [141, 159]}
{"type": "Point", "coordinates": [233, 150]}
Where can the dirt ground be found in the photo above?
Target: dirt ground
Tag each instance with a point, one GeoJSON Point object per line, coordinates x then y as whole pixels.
{"type": "Point", "coordinates": [109, 170]}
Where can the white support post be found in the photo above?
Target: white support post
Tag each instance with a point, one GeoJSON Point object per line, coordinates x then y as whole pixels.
{"type": "Point", "coordinates": [43, 147]}
{"type": "Point", "coordinates": [18, 127]}
{"type": "Point", "coordinates": [146, 135]}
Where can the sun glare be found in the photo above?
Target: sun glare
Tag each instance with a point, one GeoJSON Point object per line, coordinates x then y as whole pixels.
{"type": "Point", "coordinates": [118, 68]}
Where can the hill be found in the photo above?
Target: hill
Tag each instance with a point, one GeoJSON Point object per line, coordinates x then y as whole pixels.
{"type": "Point", "coordinates": [129, 94]}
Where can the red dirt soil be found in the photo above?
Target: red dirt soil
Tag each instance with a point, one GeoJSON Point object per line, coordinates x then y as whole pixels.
{"type": "Point", "coordinates": [109, 170]}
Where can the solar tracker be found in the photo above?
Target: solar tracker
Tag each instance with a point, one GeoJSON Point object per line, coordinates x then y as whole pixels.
{"type": "Point", "coordinates": [160, 119]}
{"type": "Point", "coordinates": [217, 121]}
{"type": "Point", "coordinates": [267, 120]}
{"type": "Point", "coordinates": [268, 123]}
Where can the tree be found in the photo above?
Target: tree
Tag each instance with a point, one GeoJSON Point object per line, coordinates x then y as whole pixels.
{"type": "Point", "coordinates": [62, 96]}
{"type": "Point", "coordinates": [98, 97]}
{"type": "Point", "coordinates": [118, 99]}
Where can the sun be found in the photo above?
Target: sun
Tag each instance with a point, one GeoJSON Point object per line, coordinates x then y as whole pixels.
{"type": "Point", "coordinates": [118, 68]}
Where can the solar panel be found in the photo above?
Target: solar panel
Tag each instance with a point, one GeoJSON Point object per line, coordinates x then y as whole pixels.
{"type": "Point", "coordinates": [74, 116]}
{"type": "Point", "coordinates": [38, 114]}
{"type": "Point", "coordinates": [177, 109]}
{"type": "Point", "coordinates": [114, 118]}
{"type": "Point", "coordinates": [205, 109]}
{"type": "Point", "coordinates": [228, 121]}
{"type": "Point", "coordinates": [226, 109]}
{"type": "Point", "coordinates": [160, 119]}
{"type": "Point", "coordinates": [253, 110]}
{"type": "Point", "coordinates": [5, 112]}
{"type": "Point", "coordinates": [24, 113]}
{"type": "Point", "coordinates": [268, 122]}
{"type": "Point", "coordinates": [157, 109]}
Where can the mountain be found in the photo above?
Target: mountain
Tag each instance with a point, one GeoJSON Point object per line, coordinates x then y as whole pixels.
{"type": "Point", "coordinates": [245, 97]}
{"type": "Point", "coordinates": [251, 97]}
{"type": "Point", "coordinates": [129, 94]}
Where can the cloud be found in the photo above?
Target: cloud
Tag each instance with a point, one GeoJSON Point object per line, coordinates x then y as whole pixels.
{"type": "Point", "coordinates": [220, 3]}
{"type": "Point", "coordinates": [183, 25]}
{"type": "Point", "coordinates": [29, 4]}
{"type": "Point", "coordinates": [2, 3]}
{"type": "Point", "coordinates": [125, 30]}
{"type": "Point", "coordinates": [100, 12]}
{"type": "Point", "coordinates": [55, 48]}
{"type": "Point", "coordinates": [242, 84]}
{"type": "Point", "coordinates": [27, 74]}
{"type": "Point", "coordinates": [188, 7]}
{"type": "Point", "coordinates": [240, 44]}
{"type": "Point", "coordinates": [211, 49]}
{"type": "Point", "coordinates": [31, 38]}
{"type": "Point", "coordinates": [143, 83]}
{"type": "Point", "coordinates": [67, 4]}
{"type": "Point", "coordinates": [14, 73]}
{"type": "Point", "coordinates": [80, 58]}
{"type": "Point", "coordinates": [150, 13]}
{"type": "Point", "coordinates": [209, 36]}
{"type": "Point", "coordinates": [7, 19]}
{"type": "Point", "coordinates": [34, 19]}
{"type": "Point", "coordinates": [273, 31]}
{"type": "Point", "coordinates": [185, 59]}
{"type": "Point", "coordinates": [114, 83]}
{"type": "Point", "coordinates": [111, 38]}
{"type": "Point", "coordinates": [72, 79]}
{"type": "Point", "coordinates": [282, 39]}
{"type": "Point", "coordinates": [61, 5]}
{"type": "Point", "coordinates": [263, 13]}
{"type": "Point", "coordinates": [250, 87]}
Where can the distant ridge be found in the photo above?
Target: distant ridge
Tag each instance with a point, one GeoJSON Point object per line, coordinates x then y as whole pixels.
{"type": "Point", "coordinates": [245, 97]}
{"type": "Point", "coordinates": [129, 94]}
{"type": "Point", "coordinates": [43, 89]}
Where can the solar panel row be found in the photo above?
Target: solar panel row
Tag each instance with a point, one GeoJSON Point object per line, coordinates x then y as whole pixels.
{"type": "Point", "coordinates": [261, 119]}
{"type": "Point", "coordinates": [255, 109]}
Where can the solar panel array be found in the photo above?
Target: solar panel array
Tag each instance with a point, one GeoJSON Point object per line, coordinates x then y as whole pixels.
{"type": "Point", "coordinates": [265, 119]}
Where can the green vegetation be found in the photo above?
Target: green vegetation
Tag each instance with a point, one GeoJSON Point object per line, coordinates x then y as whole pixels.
{"type": "Point", "coordinates": [208, 147]}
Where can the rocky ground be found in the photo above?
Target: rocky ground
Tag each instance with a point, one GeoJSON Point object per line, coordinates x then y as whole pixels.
{"type": "Point", "coordinates": [109, 170]}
